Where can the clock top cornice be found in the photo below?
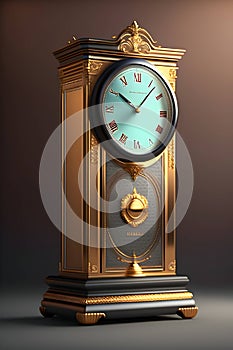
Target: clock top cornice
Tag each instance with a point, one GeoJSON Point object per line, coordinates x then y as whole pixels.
{"type": "Point", "coordinates": [133, 41]}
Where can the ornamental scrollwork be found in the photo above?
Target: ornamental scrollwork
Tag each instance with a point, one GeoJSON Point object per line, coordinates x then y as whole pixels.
{"type": "Point", "coordinates": [134, 171]}
{"type": "Point", "coordinates": [93, 66]}
{"type": "Point", "coordinates": [94, 150]}
{"type": "Point", "coordinates": [171, 154]}
{"type": "Point", "coordinates": [172, 266]}
{"type": "Point", "coordinates": [136, 39]}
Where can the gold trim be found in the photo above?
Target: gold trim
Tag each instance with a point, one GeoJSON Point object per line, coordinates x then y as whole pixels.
{"type": "Point", "coordinates": [169, 200]}
{"type": "Point", "coordinates": [134, 269]}
{"type": "Point", "coordinates": [187, 312]}
{"type": "Point", "coordinates": [93, 67]}
{"type": "Point", "coordinates": [67, 111]}
{"type": "Point", "coordinates": [94, 149]}
{"type": "Point", "coordinates": [114, 299]}
{"type": "Point", "coordinates": [172, 266]}
{"type": "Point", "coordinates": [171, 154]}
{"type": "Point", "coordinates": [89, 317]}
{"type": "Point", "coordinates": [172, 73]}
{"type": "Point", "coordinates": [134, 170]}
{"type": "Point", "coordinates": [136, 39]}
{"type": "Point", "coordinates": [172, 77]}
{"type": "Point", "coordinates": [94, 268]}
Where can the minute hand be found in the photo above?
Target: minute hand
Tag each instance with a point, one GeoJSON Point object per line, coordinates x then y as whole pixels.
{"type": "Point", "coordinates": [146, 97]}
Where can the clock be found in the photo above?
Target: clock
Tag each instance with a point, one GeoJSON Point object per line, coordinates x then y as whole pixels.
{"type": "Point", "coordinates": [118, 181]}
{"type": "Point", "coordinates": [136, 110]}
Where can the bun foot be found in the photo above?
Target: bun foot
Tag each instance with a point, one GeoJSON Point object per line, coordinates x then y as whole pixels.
{"type": "Point", "coordinates": [45, 313]}
{"type": "Point", "coordinates": [187, 312]}
{"type": "Point", "coordinates": [89, 318]}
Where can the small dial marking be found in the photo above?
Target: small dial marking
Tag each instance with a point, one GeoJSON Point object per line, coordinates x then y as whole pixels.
{"type": "Point", "coordinates": [159, 129]}
{"type": "Point", "coordinates": [159, 96]}
{"type": "Point", "coordinates": [109, 109]}
{"type": "Point", "coordinates": [150, 83]}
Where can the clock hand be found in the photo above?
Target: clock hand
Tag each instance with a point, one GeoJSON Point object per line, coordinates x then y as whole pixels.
{"type": "Point", "coordinates": [146, 97]}
{"type": "Point", "coordinates": [124, 98]}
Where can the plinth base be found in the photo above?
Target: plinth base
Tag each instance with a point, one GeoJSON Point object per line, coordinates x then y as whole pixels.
{"type": "Point", "coordinates": [90, 300]}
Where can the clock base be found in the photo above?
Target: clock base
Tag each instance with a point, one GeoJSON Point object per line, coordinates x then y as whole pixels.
{"type": "Point", "coordinates": [88, 301]}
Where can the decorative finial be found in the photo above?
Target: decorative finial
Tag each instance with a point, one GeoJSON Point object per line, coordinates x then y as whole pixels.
{"type": "Point", "coordinates": [73, 39]}
{"type": "Point", "coordinates": [136, 39]}
{"type": "Point", "coordinates": [134, 269]}
{"type": "Point", "coordinates": [134, 26]}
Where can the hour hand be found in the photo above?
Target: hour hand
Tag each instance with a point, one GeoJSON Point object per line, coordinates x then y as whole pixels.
{"type": "Point", "coordinates": [123, 98]}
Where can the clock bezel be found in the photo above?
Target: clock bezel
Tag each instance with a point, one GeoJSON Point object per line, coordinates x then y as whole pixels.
{"type": "Point", "coordinates": [97, 119]}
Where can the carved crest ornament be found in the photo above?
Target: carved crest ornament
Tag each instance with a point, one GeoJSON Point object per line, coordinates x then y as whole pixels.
{"type": "Point", "coordinates": [136, 39]}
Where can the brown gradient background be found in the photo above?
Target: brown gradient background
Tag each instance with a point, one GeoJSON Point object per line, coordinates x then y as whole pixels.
{"type": "Point", "coordinates": [30, 32]}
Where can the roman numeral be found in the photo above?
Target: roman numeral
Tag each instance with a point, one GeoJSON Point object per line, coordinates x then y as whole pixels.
{"type": "Point", "coordinates": [163, 114]}
{"type": "Point", "coordinates": [150, 83]}
{"type": "Point", "coordinates": [159, 129]}
{"type": "Point", "coordinates": [109, 109]}
{"type": "Point", "coordinates": [151, 142]}
{"type": "Point", "coordinates": [113, 126]}
{"type": "Point", "coordinates": [124, 81]}
{"type": "Point", "coordinates": [137, 77]}
{"type": "Point", "coordinates": [113, 92]}
{"type": "Point", "coordinates": [123, 138]}
{"type": "Point", "coordinates": [136, 144]}
{"type": "Point", "coordinates": [159, 96]}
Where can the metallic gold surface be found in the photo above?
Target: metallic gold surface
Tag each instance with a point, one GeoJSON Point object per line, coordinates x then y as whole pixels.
{"type": "Point", "coordinates": [93, 66]}
{"type": "Point", "coordinates": [134, 170]}
{"type": "Point", "coordinates": [172, 77]}
{"type": "Point", "coordinates": [171, 156]}
{"type": "Point", "coordinates": [89, 317]}
{"type": "Point", "coordinates": [94, 150]}
{"type": "Point", "coordinates": [134, 269]}
{"type": "Point", "coordinates": [72, 252]}
{"type": "Point", "coordinates": [187, 312]}
{"type": "Point", "coordinates": [134, 208]}
{"type": "Point", "coordinates": [136, 39]}
{"type": "Point", "coordinates": [134, 298]}
{"type": "Point", "coordinates": [172, 266]}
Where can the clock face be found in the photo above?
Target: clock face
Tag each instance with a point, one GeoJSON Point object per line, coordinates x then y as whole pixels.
{"type": "Point", "coordinates": [137, 110]}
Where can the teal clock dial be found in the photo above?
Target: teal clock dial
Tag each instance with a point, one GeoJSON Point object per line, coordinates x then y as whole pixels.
{"type": "Point", "coordinates": [136, 110]}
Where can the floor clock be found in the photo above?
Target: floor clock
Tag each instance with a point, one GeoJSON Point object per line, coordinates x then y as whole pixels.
{"type": "Point", "coordinates": [119, 179]}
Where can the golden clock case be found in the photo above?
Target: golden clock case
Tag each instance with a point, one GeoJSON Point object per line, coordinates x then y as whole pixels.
{"type": "Point", "coordinates": [97, 278]}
